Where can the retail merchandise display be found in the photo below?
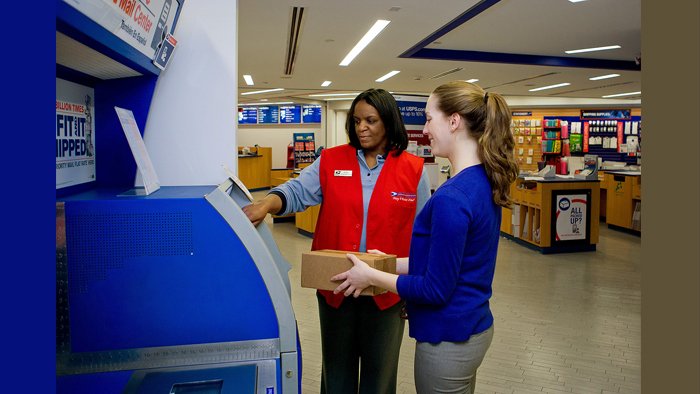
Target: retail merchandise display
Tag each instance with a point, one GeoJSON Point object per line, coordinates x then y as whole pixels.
{"type": "Point", "coordinates": [528, 138]}
{"type": "Point", "coordinates": [304, 149]}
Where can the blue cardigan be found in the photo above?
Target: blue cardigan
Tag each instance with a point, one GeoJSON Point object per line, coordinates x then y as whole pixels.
{"type": "Point", "coordinates": [452, 260]}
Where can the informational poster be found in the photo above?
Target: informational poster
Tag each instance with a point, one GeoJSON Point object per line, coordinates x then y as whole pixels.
{"type": "Point", "coordinates": [312, 113]}
{"type": "Point", "coordinates": [143, 24]}
{"type": "Point", "coordinates": [412, 108]}
{"type": "Point", "coordinates": [290, 113]}
{"type": "Point", "coordinates": [75, 134]}
{"type": "Point", "coordinates": [269, 114]}
{"type": "Point", "coordinates": [247, 115]}
{"type": "Point", "coordinates": [138, 149]}
{"type": "Point", "coordinates": [571, 216]}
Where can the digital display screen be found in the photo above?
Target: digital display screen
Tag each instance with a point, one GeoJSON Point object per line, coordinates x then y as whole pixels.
{"type": "Point", "coordinates": [268, 115]}
{"type": "Point", "coordinates": [290, 113]}
{"type": "Point", "coordinates": [312, 114]}
{"type": "Point", "coordinates": [247, 115]}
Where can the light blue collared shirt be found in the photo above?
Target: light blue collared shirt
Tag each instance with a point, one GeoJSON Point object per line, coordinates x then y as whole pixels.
{"type": "Point", "coordinates": [305, 190]}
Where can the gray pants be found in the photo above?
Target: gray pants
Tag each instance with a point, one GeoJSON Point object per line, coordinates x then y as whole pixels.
{"type": "Point", "coordinates": [450, 367]}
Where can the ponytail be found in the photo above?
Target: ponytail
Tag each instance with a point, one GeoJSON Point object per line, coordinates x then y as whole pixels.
{"type": "Point", "coordinates": [487, 117]}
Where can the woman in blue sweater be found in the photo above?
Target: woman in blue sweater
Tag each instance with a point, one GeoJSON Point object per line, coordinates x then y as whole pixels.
{"type": "Point", "coordinates": [452, 259]}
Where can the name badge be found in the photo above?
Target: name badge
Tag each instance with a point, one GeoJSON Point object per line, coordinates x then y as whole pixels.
{"type": "Point", "coordinates": [342, 173]}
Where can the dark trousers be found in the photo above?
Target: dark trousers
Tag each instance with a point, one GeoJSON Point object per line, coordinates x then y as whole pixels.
{"type": "Point", "coordinates": [361, 343]}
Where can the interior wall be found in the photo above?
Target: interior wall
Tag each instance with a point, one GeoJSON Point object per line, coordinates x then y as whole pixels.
{"type": "Point", "coordinates": [191, 128]}
{"type": "Point", "coordinates": [278, 138]}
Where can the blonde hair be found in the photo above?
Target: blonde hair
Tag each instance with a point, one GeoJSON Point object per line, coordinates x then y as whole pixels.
{"type": "Point", "coordinates": [487, 117]}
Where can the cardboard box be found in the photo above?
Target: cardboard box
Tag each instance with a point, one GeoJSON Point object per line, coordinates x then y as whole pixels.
{"type": "Point", "coordinates": [318, 267]}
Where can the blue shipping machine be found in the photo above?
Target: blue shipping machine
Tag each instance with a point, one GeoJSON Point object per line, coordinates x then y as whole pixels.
{"type": "Point", "coordinates": [173, 292]}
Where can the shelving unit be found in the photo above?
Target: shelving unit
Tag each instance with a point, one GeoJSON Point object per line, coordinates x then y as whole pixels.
{"type": "Point", "coordinates": [528, 137]}
{"type": "Point", "coordinates": [304, 149]}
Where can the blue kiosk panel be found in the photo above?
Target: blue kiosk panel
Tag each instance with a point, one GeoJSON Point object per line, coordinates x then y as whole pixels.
{"type": "Point", "coordinates": [159, 270]}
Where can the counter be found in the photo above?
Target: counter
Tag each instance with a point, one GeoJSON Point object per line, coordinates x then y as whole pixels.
{"type": "Point", "coordinates": [623, 200]}
{"type": "Point", "coordinates": [254, 170]}
{"type": "Point", "coordinates": [554, 216]}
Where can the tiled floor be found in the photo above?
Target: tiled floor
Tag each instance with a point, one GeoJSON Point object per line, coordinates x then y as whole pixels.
{"type": "Point", "coordinates": [565, 323]}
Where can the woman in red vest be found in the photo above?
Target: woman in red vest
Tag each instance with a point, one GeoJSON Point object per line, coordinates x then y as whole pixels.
{"type": "Point", "coordinates": [371, 190]}
{"type": "Point", "coordinates": [450, 269]}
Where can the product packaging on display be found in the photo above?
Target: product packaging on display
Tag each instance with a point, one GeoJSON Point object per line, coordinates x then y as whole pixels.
{"type": "Point", "coordinates": [318, 267]}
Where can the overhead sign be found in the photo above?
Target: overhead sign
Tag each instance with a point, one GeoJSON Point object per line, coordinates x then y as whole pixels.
{"type": "Point", "coordinates": [290, 113]}
{"type": "Point", "coordinates": [412, 108]}
{"type": "Point", "coordinates": [268, 115]}
{"type": "Point", "coordinates": [143, 24]}
{"type": "Point", "coordinates": [587, 114]}
{"type": "Point", "coordinates": [312, 113]}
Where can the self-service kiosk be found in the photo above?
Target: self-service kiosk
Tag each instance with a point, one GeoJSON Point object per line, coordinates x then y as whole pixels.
{"type": "Point", "coordinates": [172, 292]}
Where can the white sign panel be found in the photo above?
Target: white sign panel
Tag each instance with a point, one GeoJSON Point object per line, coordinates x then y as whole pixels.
{"type": "Point", "coordinates": [138, 149]}
{"type": "Point", "coordinates": [142, 24]}
{"type": "Point", "coordinates": [571, 217]}
{"type": "Point", "coordinates": [75, 149]}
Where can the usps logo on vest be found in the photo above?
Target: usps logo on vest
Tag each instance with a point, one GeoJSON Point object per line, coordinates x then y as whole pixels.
{"type": "Point", "coordinates": [398, 196]}
{"type": "Point", "coordinates": [342, 173]}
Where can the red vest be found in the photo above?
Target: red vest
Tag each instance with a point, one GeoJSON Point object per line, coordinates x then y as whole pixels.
{"type": "Point", "coordinates": [392, 208]}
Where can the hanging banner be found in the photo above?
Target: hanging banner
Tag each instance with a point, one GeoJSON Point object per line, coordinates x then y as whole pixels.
{"type": "Point", "coordinates": [75, 146]}
{"type": "Point", "coordinates": [606, 114]}
{"type": "Point", "coordinates": [143, 24]}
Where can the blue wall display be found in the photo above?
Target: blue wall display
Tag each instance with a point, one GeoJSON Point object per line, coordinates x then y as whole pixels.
{"type": "Point", "coordinates": [290, 113]}
{"type": "Point", "coordinates": [312, 114]}
{"type": "Point", "coordinates": [268, 114]}
{"type": "Point", "coordinates": [247, 115]}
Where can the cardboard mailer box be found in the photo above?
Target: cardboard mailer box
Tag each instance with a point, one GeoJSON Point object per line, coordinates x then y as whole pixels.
{"type": "Point", "coordinates": [318, 267]}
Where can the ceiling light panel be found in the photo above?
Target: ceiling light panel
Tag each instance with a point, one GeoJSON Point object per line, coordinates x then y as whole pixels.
{"type": "Point", "coordinates": [387, 76]}
{"type": "Point", "coordinates": [594, 49]}
{"type": "Point", "coordinates": [550, 87]}
{"type": "Point", "coordinates": [248, 80]}
{"type": "Point", "coordinates": [325, 83]}
{"type": "Point", "coordinates": [371, 34]}
{"type": "Point", "coordinates": [604, 77]}
{"type": "Point", "coordinates": [262, 91]}
{"type": "Point", "coordinates": [623, 94]}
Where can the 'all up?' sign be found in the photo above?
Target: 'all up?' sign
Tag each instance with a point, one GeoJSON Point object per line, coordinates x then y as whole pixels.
{"type": "Point", "coordinates": [571, 217]}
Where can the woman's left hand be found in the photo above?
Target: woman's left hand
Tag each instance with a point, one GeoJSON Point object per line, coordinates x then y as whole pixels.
{"type": "Point", "coordinates": [356, 279]}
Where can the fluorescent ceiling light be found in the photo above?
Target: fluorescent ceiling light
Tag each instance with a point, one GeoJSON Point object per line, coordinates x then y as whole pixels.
{"type": "Point", "coordinates": [333, 94]}
{"type": "Point", "coordinates": [594, 49]}
{"type": "Point", "coordinates": [384, 78]}
{"type": "Point", "coordinates": [604, 77]}
{"type": "Point", "coordinates": [550, 87]}
{"type": "Point", "coordinates": [325, 83]}
{"type": "Point", "coordinates": [264, 104]}
{"type": "Point", "coordinates": [576, 1]}
{"type": "Point", "coordinates": [262, 91]}
{"type": "Point", "coordinates": [337, 99]}
{"type": "Point", "coordinates": [622, 94]}
{"type": "Point", "coordinates": [248, 79]}
{"type": "Point", "coordinates": [371, 34]}
{"type": "Point", "coordinates": [472, 80]}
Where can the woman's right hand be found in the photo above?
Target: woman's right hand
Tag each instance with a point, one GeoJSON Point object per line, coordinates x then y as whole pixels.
{"type": "Point", "coordinates": [375, 251]}
{"type": "Point", "coordinates": [257, 211]}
